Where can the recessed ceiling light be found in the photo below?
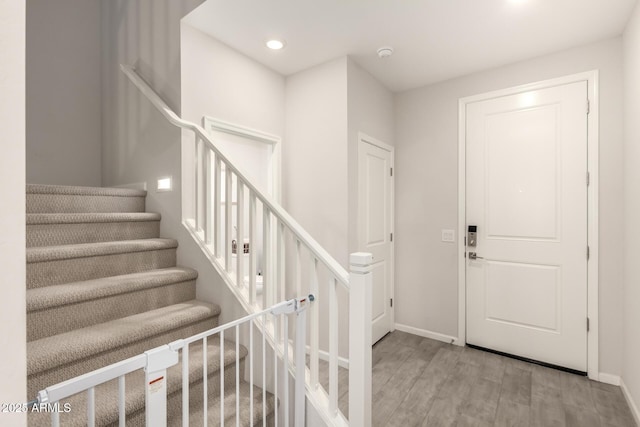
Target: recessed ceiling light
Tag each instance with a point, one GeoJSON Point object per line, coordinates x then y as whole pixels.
{"type": "Point", "coordinates": [275, 44]}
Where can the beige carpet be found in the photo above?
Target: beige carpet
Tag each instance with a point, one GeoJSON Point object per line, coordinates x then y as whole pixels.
{"type": "Point", "coordinates": [102, 286]}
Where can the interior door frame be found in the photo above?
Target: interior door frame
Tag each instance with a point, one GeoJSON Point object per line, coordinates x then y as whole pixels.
{"type": "Point", "coordinates": [592, 79]}
{"type": "Point", "coordinates": [274, 185]}
{"type": "Point", "coordinates": [212, 124]}
{"type": "Point", "coordinates": [366, 139]}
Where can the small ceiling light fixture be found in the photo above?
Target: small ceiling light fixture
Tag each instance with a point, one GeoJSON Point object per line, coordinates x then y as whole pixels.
{"type": "Point", "coordinates": [385, 52]}
{"type": "Point", "coordinates": [275, 44]}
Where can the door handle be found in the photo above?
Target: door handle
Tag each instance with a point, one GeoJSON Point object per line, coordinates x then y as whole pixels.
{"type": "Point", "coordinates": [473, 255]}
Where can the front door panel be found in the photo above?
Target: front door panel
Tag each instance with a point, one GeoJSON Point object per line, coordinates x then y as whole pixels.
{"type": "Point", "coordinates": [526, 160]}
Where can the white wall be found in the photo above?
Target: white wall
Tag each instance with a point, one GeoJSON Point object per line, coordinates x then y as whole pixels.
{"type": "Point", "coordinates": [139, 144]}
{"type": "Point", "coordinates": [426, 189]}
{"type": "Point", "coordinates": [219, 82]}
{"type": "Point", "coordinates": [371, 111]}
{"type": "Point", "coordinates": [371, 106]}
{"type": "Point", "coordinates": [63, 92]}
{"type": "Point", "coordinates": [315, 154]}
{"type": "Point", "coordinates": [326, 106]}
{"type": "Point", "coordinates": [315, 169]}
{"type": "Point", "coordinates": [631, 349]}
{"type": "Point", "coordinates": [13, 337]}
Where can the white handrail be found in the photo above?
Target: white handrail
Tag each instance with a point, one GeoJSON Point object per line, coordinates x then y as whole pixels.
{"type": "Point", "coordinates": [334, 266]}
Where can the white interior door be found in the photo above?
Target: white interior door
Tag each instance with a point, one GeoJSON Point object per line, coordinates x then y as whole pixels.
{"type": "Point", "coordinates": [375, 224]}
{"type": "Point", "coordinates": [258, 155]}
{"type": "Point", "coordinates": [526, 191]}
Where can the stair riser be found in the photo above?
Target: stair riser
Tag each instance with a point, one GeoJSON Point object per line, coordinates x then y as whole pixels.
{"type": "Point", "coordinates": [70, 203]}
{"type": "Point", "coordinates": [49, 273]}
{"type": "Point", "coordinates": [60, 319]}
{"type": "Point", "coordinates": [39, 381]}
{"type": "Point", "coordinates": [71, 234]}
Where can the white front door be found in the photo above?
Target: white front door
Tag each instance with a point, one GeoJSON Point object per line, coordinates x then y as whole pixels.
{"type": "Point", "coordinates": [375, 227]}
{"type": "Point", "coordinates": [526, 192]}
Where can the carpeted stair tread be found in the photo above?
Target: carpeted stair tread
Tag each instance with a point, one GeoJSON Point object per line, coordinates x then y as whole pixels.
{"type": "Point", "coordinates": [97, 260]}
{"type": "Point", "coordinates": [47, 353]}
{"type": "Point", "coordinates": [57, 309]}
{"type": "Point", "coordinates": [76, 292]}
{"type": "Point", "coordinates": [85, 250]}
{"type": "Point", "coordinates": [69, 199]}
{"type": "Point", "coordinates": [107, 394]}
{"type": "Point", "coordinates": [88, 217]}
{"type": "Point", "coordinates": [58, 229]}
{"type": "Point", "coordinates": [72, 190]}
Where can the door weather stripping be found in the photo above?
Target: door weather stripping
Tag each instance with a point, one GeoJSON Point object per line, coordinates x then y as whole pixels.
{"type": "Point", "coordinates": [588, 106]}
{"type": "Point", "coordinates": [587, 324]}
{"type": "Point", "coordinates": [588, 253]}
{"type": "Point", "coordinates": [588, 179]}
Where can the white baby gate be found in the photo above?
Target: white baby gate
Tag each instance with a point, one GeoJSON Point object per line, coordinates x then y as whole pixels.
{"type": "Point", "coordinates": [155, 363]}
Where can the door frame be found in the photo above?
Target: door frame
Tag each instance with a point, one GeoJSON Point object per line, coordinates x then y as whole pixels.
{"type": "Point", "coordinates": [592, 79]}
{"type": "Point", "coordinates": [274, 185]}
{"type": "Point", "coordinates": [366, 139]}
{"type": "Point", "coordinates": [212, 124]}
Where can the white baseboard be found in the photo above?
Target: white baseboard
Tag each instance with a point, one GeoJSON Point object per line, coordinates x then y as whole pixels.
{"type": "Point", "coordinates": [427, 334]}
{"type": "Point", "coordinates": [632, 404]}
{"type": "Point", "coordinates": [609, 378]}
{"type": "Point", "coordinates": [324, 355]}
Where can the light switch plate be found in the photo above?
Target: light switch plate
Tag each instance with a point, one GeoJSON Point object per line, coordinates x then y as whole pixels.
{"type": "Point", "coordinates": [448, 235]}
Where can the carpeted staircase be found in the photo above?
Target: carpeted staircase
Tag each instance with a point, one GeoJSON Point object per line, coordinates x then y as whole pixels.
{"type": "Point", "coordinates": [102, 286]}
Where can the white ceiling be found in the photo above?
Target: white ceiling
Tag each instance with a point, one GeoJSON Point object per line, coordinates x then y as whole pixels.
{"type": "Point", "coordinates": [434, 40]}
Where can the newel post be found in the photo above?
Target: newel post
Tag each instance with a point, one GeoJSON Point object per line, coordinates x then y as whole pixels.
{"type": "Point", "coordinates": [360, 284]}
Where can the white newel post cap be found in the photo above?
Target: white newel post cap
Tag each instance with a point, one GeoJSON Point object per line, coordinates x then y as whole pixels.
{"type": "Point", "coordinates": [360, 262]}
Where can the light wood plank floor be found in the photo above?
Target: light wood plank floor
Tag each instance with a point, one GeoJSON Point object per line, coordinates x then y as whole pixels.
{"type": "Point", "coordinates": [422, 382]}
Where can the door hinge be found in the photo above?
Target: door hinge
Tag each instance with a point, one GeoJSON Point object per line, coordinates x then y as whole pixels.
{"type": "Point", "coordinates": [588, 179]}
{"type": "Point", "coordinates": [588, 106]}
{"type": "Point", "coordinates": [588, 326]}
{"type": "Point", "coordinates": [391, 171]}
{"type": "Point", "coordinates": [391, 302]}
{"type": "Point", "coordinates": [588, 253]}
{"type": "Point", "coordinates": [391, 236]}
